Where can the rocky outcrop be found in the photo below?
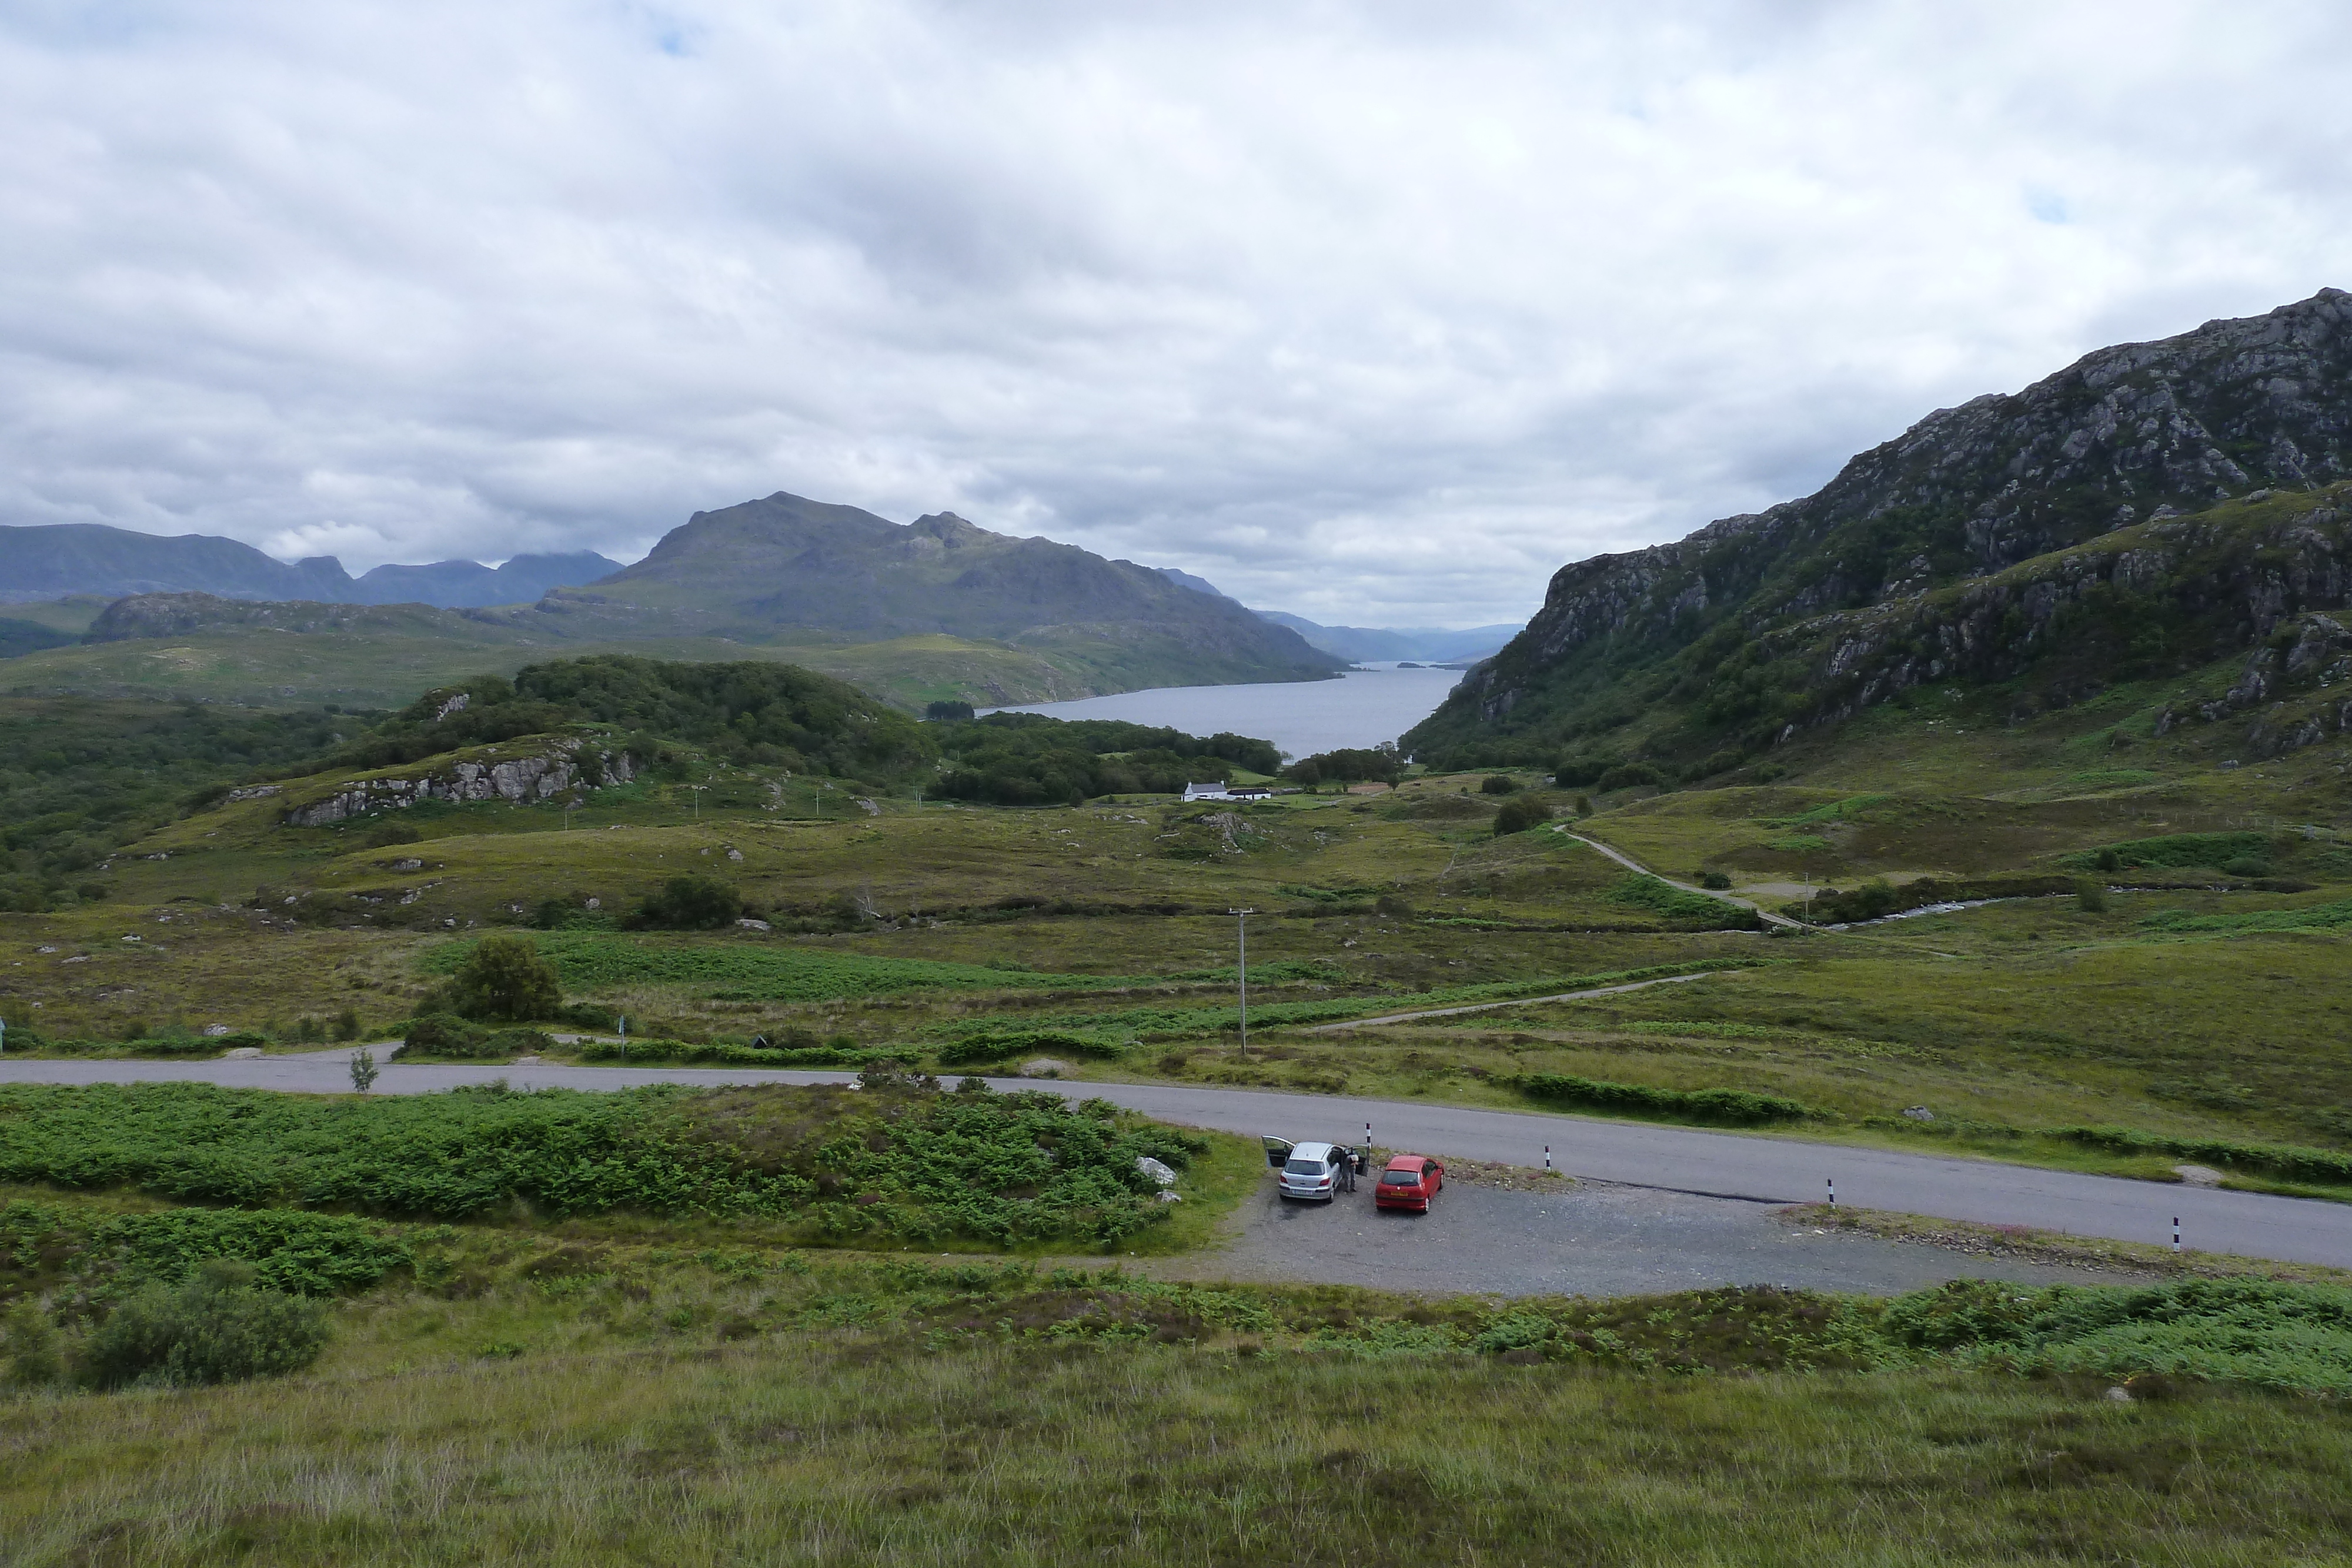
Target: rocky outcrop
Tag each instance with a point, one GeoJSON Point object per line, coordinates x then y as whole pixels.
{"type": "Point", "coordinates": [564, 765]}
{"type": "Point", "coordinates": [2220, 587]}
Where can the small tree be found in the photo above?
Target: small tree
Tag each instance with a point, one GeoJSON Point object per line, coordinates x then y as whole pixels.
{"type": "Point", "coordinates": [1520, 814]}
{"type": "Point", "coordinates": [1497, 784]}
{"type": "Point", "coordinates": [505, 978]}
{"type": "Point", "coordinates": [688, 904]}
{"type": "Point", "coordinates": [2090, 897]}
{"type": "Point", "coordinates": [364, 1070]}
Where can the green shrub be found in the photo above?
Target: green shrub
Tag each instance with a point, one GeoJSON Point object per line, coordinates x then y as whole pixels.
{"type": "Point", "coordinates": [504, 977]}
{"type": "Point", "coordinates": [1521, 813]}
{"type": "Point", "coordinates": [445, 1037]}
{"type": "Point", "coordinates": [1497, 784]}
{"type": "Point", "coordinates": [1629, 776]}
{"type": "Point", "coordinates": [1002, 1044]}
{"type": "Point", "coordinates": [2091, 896]}
{"type": "Point", "coordinates": [690, 904]}
{"type": "Point", "coordinates": [1715, 880]}
{"type": "Point", "coordinates": [384, 835]}
{"type": "Point", "coordinates": [215, 1328]}
{"type": "Point", "coordinates": [30, 1342]}
{"type": "Point", "coordinates": [948, 712]}
{"type": "Point", "coordinates": [1732, 1107]}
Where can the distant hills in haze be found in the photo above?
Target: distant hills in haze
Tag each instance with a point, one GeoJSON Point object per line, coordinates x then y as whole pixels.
{"type": "Point", "coordinates": [1358, 643]}
{"type": "Point", "coordinates": [1429, 644]}
{"type": "Point", "coordinates": [53, 560]}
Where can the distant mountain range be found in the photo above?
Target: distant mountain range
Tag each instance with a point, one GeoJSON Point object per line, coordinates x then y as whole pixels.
{"type": "Point", "coordinates": [979, 614]}
{"type": "Point", "coordinates": [1425, 644]}
{"type": "Point", "coordinates": [784, 569]}
{"type": "Point", "coordinates": [2174, 513]}
{"type": "Point", "coordinates": [52, 561]}
{"type": "Point", "coordinates": [1358, 643]}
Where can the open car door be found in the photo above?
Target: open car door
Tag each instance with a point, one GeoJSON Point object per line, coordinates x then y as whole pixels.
{"type": "Point", "coordinates": [1277, 1150]}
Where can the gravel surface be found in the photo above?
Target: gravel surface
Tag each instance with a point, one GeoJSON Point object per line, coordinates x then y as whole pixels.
{"type": "Point", "coordinates": [1596, 1238]}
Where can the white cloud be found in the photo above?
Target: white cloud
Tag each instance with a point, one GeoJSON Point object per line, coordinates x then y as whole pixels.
{"type": "Point", "coordinates": [1375, 313]}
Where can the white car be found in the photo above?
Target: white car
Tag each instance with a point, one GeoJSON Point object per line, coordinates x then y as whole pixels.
{"type": "Point", "coordinates": [1308, 1170]}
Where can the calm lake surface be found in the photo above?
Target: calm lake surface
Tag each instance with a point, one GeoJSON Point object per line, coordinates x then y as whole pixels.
{"type": "Point", "coordinates": [1362, 708]}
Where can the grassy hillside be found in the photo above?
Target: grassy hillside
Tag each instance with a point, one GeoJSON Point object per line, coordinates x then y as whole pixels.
{"type": "Point", "coordinates": [718, 1326]}
{"type": "Point", "coordinates": [659, 1384]}
{"type": "Point", "coordinates": [401, 651]}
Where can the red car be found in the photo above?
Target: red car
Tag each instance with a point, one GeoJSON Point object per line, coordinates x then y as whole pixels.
{"type": "Point", "coordinates": [1410, 1182]}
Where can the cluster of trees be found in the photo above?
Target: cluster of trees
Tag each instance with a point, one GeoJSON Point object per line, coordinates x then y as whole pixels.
{"type": "Point", "coordinates": [1381, 764]}
{"type": "Point", "coordinates": [770, 714]}
{"type": "Point", "coordinates": [1029, 759]}
{"type": "Point", "coordinates": [79, 777]}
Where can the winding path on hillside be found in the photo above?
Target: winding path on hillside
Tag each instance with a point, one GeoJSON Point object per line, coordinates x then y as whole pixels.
{"type": "Point", "coordinates": [1630, 863]}
{"type": "Point", "coordinates": [1674, 1159]}
{"type": "Point", "coordinates": [1514, 1003]}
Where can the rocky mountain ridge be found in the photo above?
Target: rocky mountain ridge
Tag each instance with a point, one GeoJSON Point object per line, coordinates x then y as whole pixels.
{"type": "Point", "coordinates": [1907, 565]}
{"type": "Point", "coordinates": [754, 571]}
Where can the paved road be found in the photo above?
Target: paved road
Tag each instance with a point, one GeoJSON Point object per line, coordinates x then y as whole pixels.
{"type": "Point", "coordinates": [1677, 1159]}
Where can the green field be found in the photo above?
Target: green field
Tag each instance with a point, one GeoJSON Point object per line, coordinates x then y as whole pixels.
{"type": "Point", "coordinates": [613, 1390]}
{"type": "Point", "coordinates": [718, 1328]}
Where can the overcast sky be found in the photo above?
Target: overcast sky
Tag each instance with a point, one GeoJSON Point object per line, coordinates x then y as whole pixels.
{"type": "Point", "coordinates": [1378, 313]}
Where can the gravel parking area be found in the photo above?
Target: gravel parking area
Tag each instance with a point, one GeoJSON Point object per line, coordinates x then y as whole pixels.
{"type": "Point", "coordinates": [1591, 1239]}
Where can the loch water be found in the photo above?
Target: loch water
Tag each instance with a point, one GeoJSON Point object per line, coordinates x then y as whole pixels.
{"type": "Point", "coordinates": [1362, 708]}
